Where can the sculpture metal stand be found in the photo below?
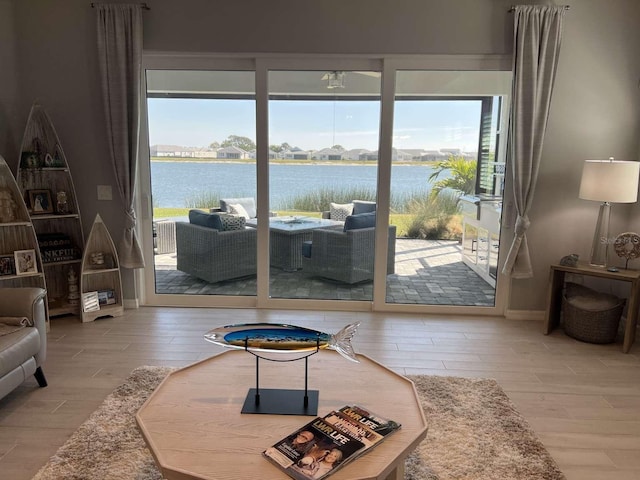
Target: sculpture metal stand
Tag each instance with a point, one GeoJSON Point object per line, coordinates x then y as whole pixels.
{"type": "Point", "coordinates": [282, 401]}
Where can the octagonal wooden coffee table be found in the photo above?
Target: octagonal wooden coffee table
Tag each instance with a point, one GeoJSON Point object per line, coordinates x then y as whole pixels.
{"type": "Point", "coordinates": [194, 429]}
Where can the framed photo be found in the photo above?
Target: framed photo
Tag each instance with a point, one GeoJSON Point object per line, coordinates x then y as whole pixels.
{"type": "Point", "coordinates": [40, 201]}
{"type": "Point", "coordinates": [7, 265]}
{"type": "Point", "coordinates": [106, 297]}
{"type": "Point", "coordinates": [25, 262]}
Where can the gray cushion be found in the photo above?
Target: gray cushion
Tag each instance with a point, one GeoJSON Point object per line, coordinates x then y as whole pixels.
{"type": "Point", "coordinates": [363, 206]}
{"type": "Point", "coordinates": [362, 220]}
{"type": "Point", "coordinates": [211, 220]}
{"type": "Point", "coordinates": [248, 203]}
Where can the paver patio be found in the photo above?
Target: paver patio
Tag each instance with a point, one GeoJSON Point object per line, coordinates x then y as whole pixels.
{"type": "Point", "coordinates": [427, 272]}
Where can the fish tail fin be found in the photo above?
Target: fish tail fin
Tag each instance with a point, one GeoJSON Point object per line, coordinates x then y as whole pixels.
{"type": "Point", "coordinates": [341, 342]}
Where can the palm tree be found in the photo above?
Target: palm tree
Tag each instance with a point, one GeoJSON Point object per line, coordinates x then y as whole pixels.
{"type": "Point", "coordinates": [462, 175]}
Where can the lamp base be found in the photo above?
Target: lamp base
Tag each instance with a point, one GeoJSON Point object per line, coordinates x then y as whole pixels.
{"type": "Point", "coordinates": [600, 245]}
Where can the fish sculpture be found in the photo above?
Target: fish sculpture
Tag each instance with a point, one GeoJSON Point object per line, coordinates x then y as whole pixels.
{"type": "Point", "coordinates": [280, 338]}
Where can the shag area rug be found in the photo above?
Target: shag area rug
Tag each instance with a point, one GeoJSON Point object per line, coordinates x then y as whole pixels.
{"type": "Point", "coordinates": [474, 433]}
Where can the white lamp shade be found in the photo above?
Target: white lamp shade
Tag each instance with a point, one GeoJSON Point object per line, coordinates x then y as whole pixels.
{"type": "Point", "coordinates": [612, 181]}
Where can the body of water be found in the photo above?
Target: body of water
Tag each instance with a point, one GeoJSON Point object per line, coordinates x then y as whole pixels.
{"type": "Point", "coordinates": [173, 183]}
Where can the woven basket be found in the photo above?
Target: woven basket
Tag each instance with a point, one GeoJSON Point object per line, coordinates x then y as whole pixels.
{"type": "Point", "coordinates": [593, 326]}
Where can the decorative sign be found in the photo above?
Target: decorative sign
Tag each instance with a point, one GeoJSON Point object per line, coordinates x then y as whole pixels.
{"type": "Point", "coordinates": [90, 302]}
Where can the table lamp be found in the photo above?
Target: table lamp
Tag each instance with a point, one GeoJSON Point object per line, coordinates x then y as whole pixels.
{"type": "Point", "coordinates": [607, 181]}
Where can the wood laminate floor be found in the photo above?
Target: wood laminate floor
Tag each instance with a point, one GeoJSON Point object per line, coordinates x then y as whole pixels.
{"type": "Point", "coordinates": [583, 400]}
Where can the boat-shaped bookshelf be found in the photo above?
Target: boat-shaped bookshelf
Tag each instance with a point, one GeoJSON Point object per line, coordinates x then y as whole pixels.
{"type": "Point", "coordinates": [101, 283]}
{"type": "Point", "coordinates": [18, 235]}
{"type": "Point", "coordinates": [47, 188]}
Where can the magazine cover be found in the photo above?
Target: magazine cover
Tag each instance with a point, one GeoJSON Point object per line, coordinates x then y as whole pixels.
{"type": "Point", "coordinates": [375, 422]}
{"type": "Point", "coordinates": [359, 431]}
{"type": "Point", "coordinates": [314, 451]}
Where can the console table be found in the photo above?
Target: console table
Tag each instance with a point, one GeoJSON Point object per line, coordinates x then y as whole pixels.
{"type": "Point", "coordinates": [556, 283]}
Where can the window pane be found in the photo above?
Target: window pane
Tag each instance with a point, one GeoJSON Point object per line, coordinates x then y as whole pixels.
{"type": "Point", "coordinates": [323, 136]}
{"type": "Point", "coordinates": [446, 129]}
{"type": "Point", "coordinates": [202, 145]}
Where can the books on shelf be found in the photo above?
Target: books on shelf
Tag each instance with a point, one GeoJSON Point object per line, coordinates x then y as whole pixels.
{"type": "Point", "coordinates": [106, 296]}
{"type": "Point", "coordinates": [325, 444]}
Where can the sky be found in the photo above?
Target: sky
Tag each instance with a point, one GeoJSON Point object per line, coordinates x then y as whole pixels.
{"type": "Point", "coordinates": [313, 125]}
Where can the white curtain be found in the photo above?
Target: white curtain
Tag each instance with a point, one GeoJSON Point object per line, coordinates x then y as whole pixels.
{"type": "Point", "coordinates": [536, 47]}
{"type": "Point", "coordinates": [120, 57]}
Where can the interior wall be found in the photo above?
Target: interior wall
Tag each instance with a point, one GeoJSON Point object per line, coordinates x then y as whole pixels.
{"type": "Point", "coordinates": [57, 65]}
{"type": "Point", "coordinates": [594, 112]}
{"type": "Point", "coordinates": [8, 85]}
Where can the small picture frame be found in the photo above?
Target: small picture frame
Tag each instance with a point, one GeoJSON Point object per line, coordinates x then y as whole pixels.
{"type": "Point", "coordinates": [40, 202]}
{"type": "Point", "coordinates": [7, 265]}
{"type": "Point", "coordinates": [25, 262]}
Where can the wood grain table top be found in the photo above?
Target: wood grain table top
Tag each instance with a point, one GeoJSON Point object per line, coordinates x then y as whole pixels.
{"type": "Point", "coordinates": [194, 427]}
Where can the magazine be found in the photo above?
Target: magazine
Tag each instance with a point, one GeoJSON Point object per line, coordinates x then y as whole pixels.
{"type": "Point", "coordinates": [375, 422]}
{"type": "Point", "coordinates": [359, 431]}
{"type": "Point", "coordinates": [327, 443]}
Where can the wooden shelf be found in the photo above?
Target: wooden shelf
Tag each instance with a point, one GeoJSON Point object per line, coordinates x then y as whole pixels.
{"type": "Point", "coordinates": [48, 169]}
{"type": "Point", "coordinates": [116, 310]}
{"type": "Point", "coordinates": [16, 224]}
{"type": "Point", "coordinates": [63, 262]}
{"type": "Point", "coordinates": [26, 275]}
{"type": "Point", "coordinates": [94, 271]}
{"type": "Point", "coordinates": [41, 145]}
{"type": "Point", "coordinates": [95, 279]}
{"type": "Point", "coordinates": [55, 216]}
{"type": "Point", "coordinates": [57, 308]}
{"type": "Point", "coordinates": [18, 234]}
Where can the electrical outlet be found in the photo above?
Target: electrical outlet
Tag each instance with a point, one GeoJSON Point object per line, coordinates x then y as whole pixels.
{"type": "Point", "coordinates": [104, 192]}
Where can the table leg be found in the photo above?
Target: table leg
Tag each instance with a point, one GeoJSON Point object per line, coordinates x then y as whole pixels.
{"type": "Point", "coordinates": [397, 473]}
{"type": "Point", "coordinates": [554, 300]}
{"type": "Point", "coordinates": [632, 318]}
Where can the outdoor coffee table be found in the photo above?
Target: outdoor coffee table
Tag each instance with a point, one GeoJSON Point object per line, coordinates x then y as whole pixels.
{"type": "Point", "coordinates": [194, 429]}
{"type": "Point", "coordinates": [286, 236]}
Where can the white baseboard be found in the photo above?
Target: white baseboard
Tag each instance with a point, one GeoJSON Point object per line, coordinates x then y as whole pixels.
{"type": "Point", "coordinates": [524, 314]}
{"type": "Point", "coordinates": [130, 303]}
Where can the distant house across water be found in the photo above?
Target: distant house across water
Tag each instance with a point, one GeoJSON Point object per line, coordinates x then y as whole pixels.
{"type": "Point", "coordinates": [324, 154]}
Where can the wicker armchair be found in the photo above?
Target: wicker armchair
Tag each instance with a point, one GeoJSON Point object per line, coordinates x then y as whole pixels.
{"type": "Point", "coordinates": [214, 255]}
{"type": "Point", "coordinates": [346, 256]}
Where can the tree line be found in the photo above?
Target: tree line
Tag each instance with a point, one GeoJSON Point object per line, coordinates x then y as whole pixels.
{"type": "Point", "coordinates": [246, 144]}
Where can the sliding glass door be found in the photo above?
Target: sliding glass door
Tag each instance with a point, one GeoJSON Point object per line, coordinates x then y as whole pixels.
{"type": "Point", "coordinates": [323, 140]}
{"type": "Point", "coordinates": [202, 160]}
{"type": "Point", "coordinates": [319, 184]}
{"type": "Point", "coordinates": [447, 128]}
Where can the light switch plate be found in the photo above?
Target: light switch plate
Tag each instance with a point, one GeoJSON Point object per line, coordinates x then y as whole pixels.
{"type": "Point", "coordinates": [104, 192]}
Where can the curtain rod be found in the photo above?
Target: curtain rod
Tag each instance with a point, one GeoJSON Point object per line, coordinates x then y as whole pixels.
{"type": "Point", "coordinates": [513, 7]}
{"type": "Point", "coordinates": [143, 5]}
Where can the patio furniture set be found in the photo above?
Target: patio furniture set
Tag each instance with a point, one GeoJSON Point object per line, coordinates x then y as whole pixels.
{"type": "Point", "coordinates": [221, 244]}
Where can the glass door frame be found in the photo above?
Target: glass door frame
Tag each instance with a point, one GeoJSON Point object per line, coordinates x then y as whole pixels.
{"type": "Point", "coordinates": [262, 64]}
